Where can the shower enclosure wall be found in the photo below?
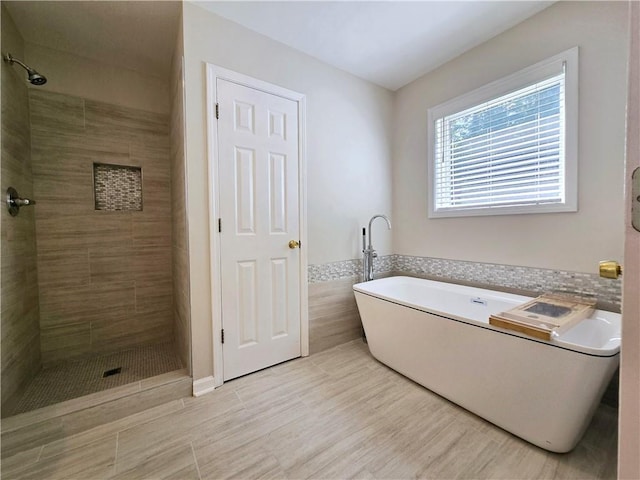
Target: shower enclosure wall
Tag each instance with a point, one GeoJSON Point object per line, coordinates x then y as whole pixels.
{"type": "Point", "coordinates": [88, 271]}
{"type": "Point", "coordinates": [19, 314]}
{"type": "Point", "coordinates": [104, 275]}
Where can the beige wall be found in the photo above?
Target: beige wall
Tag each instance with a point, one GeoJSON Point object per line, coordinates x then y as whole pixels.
{"type": "Point", "coordinates": [629, 431]}
{"type": "Point", "coordinates": [104, 276]}
{"type": "Point", "coordinates": [179, 251]}
{"type": "Point", "coordinates": [73, 75]}
{"type": "Point", "coordinates": [348, 150]}
{"type": "Point", "coordinates": [20, 345]}
{"type": "Point", "coordinates": [569, 241]}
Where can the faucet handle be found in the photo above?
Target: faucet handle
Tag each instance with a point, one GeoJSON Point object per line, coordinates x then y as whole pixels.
{"type": "Point", "coordinates": [374, 254]}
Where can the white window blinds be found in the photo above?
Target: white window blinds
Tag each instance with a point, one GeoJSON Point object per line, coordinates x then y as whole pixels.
{"type": "Point", "coordinates": [503, 155]}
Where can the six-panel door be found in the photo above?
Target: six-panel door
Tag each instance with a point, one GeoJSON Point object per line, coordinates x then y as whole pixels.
{"type": "Point", "coordinates": [259, 209]}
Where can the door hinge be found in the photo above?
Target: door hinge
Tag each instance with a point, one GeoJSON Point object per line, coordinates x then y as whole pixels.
{"type": "Point", "coordinates": [220, 225]}
{"type": "Point", "coordinates": [222, 335]}
{"type": "Point", "coordinates": [217, 110]}
{"type": "Point", "coordinates": [635, 199]}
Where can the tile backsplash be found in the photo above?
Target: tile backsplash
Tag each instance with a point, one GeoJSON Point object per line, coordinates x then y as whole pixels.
{"type": "Point", "coordinates": [526, 280]}
{"type": "Point", "coordinates": [348, 268]}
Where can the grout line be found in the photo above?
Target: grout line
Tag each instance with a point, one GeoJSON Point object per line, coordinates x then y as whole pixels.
{"type": "Point", "coordinates": [40, 452]}
{"type": "Point", "coordinates": [195, 460]}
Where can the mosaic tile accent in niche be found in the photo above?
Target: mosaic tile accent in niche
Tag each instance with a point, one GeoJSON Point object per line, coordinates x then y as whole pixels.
{"type": "Point", "coordinates": [607, 292]}
{"type": "Point", "coordinates": [117, 187]}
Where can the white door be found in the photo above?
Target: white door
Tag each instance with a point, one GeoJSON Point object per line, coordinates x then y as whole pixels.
{"type": "Point", "coordinates": [259, 212]}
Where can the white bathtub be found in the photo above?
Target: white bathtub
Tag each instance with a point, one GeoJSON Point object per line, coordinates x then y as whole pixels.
{"type": "Point", "coordinates": [438, 334]}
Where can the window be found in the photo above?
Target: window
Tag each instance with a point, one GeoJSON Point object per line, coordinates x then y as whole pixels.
{"type": "Point", "coordinates": [508, 147]}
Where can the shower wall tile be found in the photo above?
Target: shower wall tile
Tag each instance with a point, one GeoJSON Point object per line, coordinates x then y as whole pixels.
{"type": "Point", "coordinates": [156, 325]}
{"type": "Point", "coordinates": [20, 331]}
{"type": "Point", "coordinates": [105, 274]}
{"type": "Point", "coordinates": [19, 316]}
{"type": "Point", "coordinates": [74, 145]}
{"type": "Point", "coordinates": [151, 231]}
{"type": "Point", "coordinates": [63, 342]}
{"type": "Point", "coordinates": [82, 231]}
{"type": "Point", "coordinates": [182, 305]}
{"type": "Point", "coordinates": [151, 264]}
{"type": "Point", "coordinates": [179, 217]}
{"type": "Point", "coordinates": [154, 297]}
{"type": "Point", "coordinates": [155, 149]}
{"type": "Point", "coordinates": [63, 111]}
{"type": "Point", "coordinates": [110, 264]}
{"type": "Point", "coordinates": [84, 303]}
{"type": "Point", "coordinates": [114, 120]}
{"type": "Point", "coordinates": [63, 268]}
{"type": "Point", "coordinates": [122, 333]}
{"type": "Point", "coordinates": [179, 246]}
{"type": "Point", "coordinates": [156, 203]}
{"type": "Point", "coordinates": [109, 335]}
{"type": "Point", "coordinates": [17, 138]}
{"type": "Point", "coordinates": [155, 163]}
{"type": "Point", "coordinates": [63, 194]}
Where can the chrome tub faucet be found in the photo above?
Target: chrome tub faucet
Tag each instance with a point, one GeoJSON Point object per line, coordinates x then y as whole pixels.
{"type": "Point", "coordinates": [368, 252]}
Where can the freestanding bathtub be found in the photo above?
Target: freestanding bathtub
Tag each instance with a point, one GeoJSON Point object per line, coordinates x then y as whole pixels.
{"type": "Point", "coordinates": [438, 335]}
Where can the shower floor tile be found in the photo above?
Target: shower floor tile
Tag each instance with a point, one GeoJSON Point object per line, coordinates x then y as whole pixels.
{"type": "Point", "coordinates": [72, 379]}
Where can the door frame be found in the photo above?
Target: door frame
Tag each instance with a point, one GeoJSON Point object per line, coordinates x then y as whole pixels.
{"type": "Point", "coordinates": [213, 73]}
{"type": "Point", "coordinates": [629, 410]}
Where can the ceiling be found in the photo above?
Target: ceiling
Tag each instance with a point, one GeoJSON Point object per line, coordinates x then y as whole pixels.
{"type": "Point", "coordinates": [390, 43]}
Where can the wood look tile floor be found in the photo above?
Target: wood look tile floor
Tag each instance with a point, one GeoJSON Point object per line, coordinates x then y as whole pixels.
{"type": "Point", "coordinates": [336, 414]}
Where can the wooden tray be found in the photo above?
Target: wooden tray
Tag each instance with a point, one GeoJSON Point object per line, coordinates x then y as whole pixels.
{"type": "Point", "coordinates": [543, 316]}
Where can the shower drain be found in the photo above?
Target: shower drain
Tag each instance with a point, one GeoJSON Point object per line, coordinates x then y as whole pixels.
{"type": "Point", "coordinates": [113, 371]}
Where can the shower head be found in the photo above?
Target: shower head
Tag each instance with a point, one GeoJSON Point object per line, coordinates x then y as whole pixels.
{"type": "Point", "coordinates": [34, 77]}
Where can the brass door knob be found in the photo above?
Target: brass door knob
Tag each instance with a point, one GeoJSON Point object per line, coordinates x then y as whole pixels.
{"type": "Point", "coordinates": [294, 244]}
{"type": "Point", "coordinates": [610, 269]}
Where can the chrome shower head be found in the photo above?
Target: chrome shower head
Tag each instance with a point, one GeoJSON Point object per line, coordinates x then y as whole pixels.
{"type": "Point", "coordinates": [34, 77]}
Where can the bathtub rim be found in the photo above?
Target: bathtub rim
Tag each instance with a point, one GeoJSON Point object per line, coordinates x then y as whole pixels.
{"type": "Point", "coordinates": [572, 347]}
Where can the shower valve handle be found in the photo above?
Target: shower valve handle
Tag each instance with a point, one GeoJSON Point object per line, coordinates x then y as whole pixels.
{"type": "Point", "coordinates": [23, 202]}
{"type": "Point", "coordinates": [14, 201]}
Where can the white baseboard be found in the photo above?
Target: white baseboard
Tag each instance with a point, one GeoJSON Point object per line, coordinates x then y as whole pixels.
{"type": "Point", "coordinates": [203, 385]}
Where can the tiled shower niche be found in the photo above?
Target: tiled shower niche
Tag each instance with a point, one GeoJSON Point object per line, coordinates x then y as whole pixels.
{"type": "Point", "coordinates": [117, 187]}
